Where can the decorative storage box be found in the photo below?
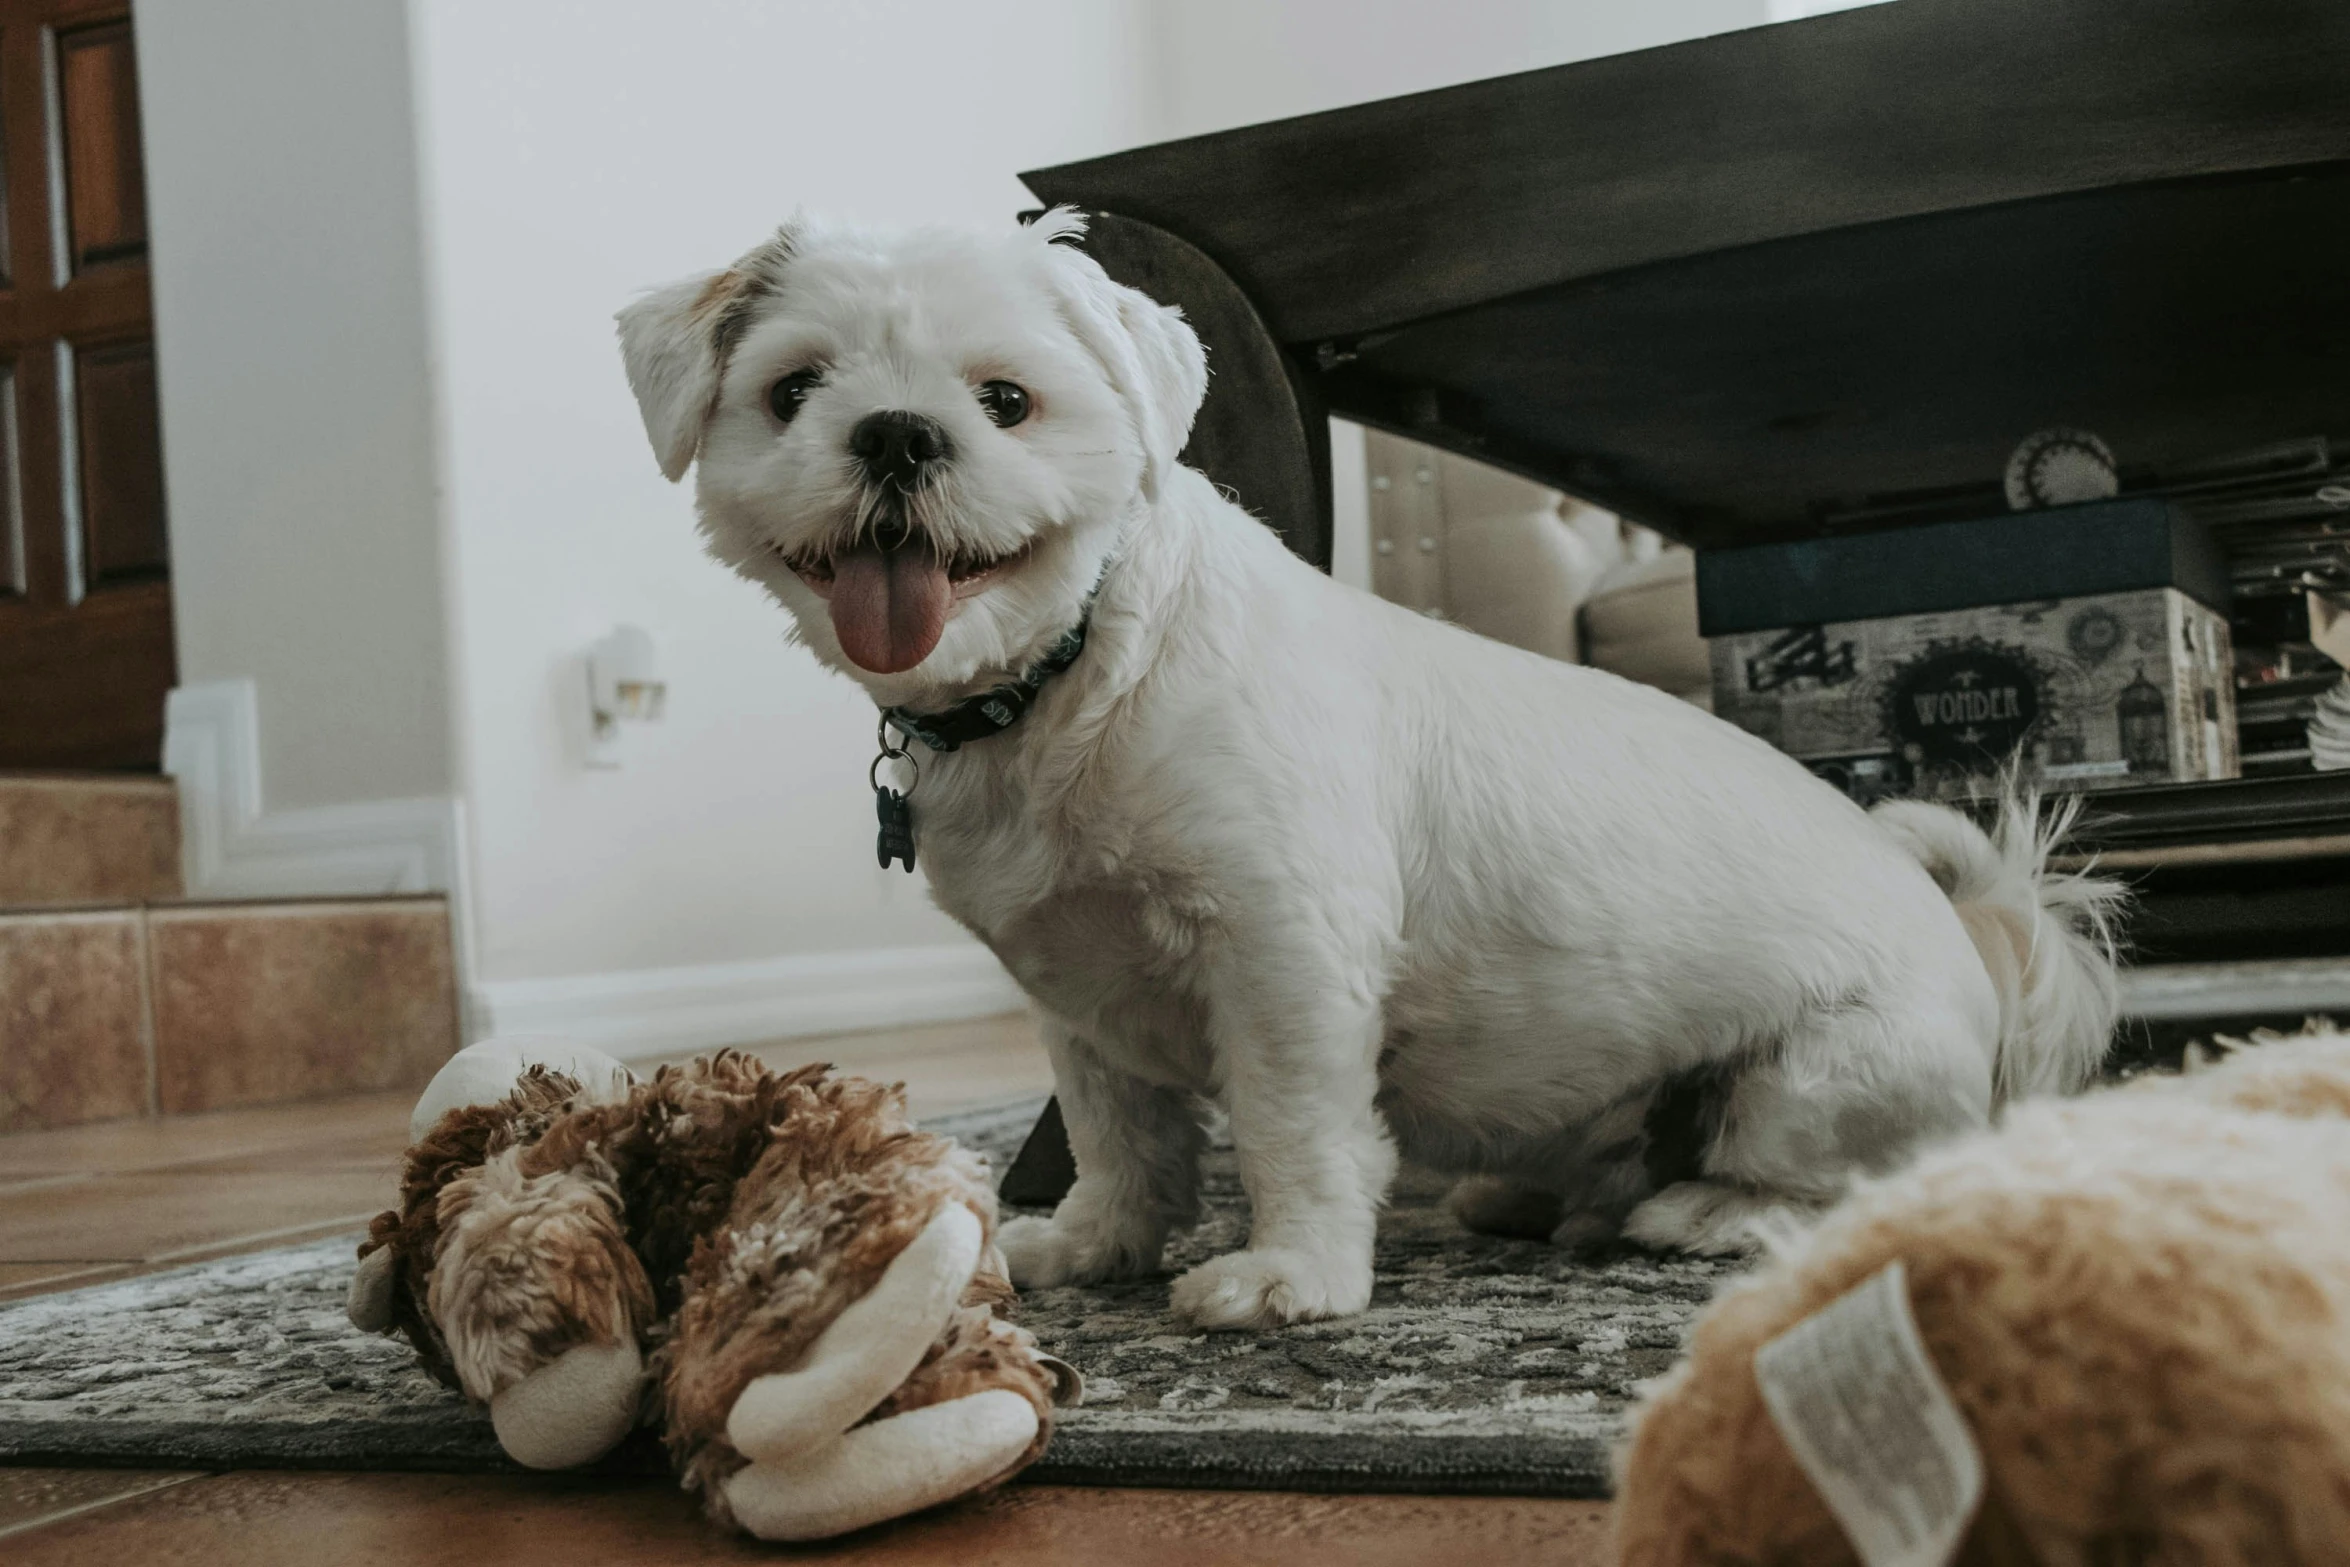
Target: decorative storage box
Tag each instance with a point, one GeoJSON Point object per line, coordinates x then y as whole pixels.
{"type": "Point", "coordinates": [2087, 645]}
{"type": "Point", "coordinates": [2086, 693]}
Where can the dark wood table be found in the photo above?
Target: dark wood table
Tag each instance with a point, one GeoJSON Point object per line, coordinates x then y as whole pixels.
{"type": "Point", "coordinates": [1805, 279]}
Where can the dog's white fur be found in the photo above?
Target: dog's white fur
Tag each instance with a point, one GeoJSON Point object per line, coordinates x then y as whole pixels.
{"type": "Point", "coordinates": [1363, 878]}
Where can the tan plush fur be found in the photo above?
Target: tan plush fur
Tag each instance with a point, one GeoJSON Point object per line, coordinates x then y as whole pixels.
{"type": "Point", "coordinates": [722, 1216]}
{"type": "Point", "coordinates": [532, 1262]}
{"type": "Point", "coordinates": [462, 1141]}
{"type": "Point", "coordinates": [2140, 1300]}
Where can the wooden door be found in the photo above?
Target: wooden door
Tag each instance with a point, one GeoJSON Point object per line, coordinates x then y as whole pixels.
{"type": "Point", "coordinates": [85, 596]}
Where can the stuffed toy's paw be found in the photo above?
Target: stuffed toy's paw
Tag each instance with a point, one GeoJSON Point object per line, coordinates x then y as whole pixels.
{"type": "Point", "coordinates": [885, 1470]}
{"type": "Point", "coordinates": [837, 1358]}
{"type": "Point", "coordinates": [871, 1347]}
{"type": "Point", "coordinates": [814, 1471]}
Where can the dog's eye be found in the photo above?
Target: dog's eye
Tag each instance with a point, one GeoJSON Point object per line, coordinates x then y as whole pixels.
{"type": "Point", "coordinates": [785, 396]}
{"type": "Point", "coordinates": [1005, 403]}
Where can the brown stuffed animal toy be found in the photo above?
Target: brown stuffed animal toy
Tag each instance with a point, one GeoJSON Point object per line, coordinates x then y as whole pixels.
{"type": "Point", "coordinates": [798, 1286]}
{"type": "Point", "coordinates": [2138, 1302]}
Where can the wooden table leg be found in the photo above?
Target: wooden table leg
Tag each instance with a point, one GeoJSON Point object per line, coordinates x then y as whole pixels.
{"type": "Point", "coordinates": [1263, 435]}
{"type": "Point", "coordinates": [1044, 1169]}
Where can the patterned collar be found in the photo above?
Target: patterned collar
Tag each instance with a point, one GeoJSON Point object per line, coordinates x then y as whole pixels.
{"type": "Point", "coordinates": [991, 712]}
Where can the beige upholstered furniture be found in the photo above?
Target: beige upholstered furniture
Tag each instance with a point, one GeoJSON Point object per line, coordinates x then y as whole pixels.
{"type": "Point", "coordinates": [1523, 564]}
{"type": "Point", "coordinates": [1640, 621]}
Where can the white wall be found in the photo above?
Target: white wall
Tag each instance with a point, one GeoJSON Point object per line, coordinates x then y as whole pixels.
{"type": "Point", "coordinates": [295, 392]}
{"type": "Point", "coordinates": [573, 154]}
{"type": "Point", "coordinates": [1797, 10]}
{"type": "Point", "coordinates": [1224, 63]}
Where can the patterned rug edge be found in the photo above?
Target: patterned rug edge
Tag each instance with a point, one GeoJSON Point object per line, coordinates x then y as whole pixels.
{"type": "Point", "coordinates": [1497, 1451]}
{"type": "Point", "coordinates": [1556, 1463]}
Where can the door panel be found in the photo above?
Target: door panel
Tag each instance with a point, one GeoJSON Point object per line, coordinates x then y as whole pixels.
{"type": "Point", "coordinates": [85, 602]}
{"type": "Point", "coordinates": [60, 702]}
{"type": "Point", "coordinates": [121, 478]}
{"type": "Point", "coordinates": [12, 561]}
{"type": "Point", "coordinates": [105, 176]}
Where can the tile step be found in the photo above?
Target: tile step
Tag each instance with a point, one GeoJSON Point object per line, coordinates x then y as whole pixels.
{"type": "Point", "coordinates": [87, 838]}
{"type": "Point", "coordinates": [175, 1008]}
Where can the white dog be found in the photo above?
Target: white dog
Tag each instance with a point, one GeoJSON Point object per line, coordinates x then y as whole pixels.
{"type": "Point", "coordinates": [1360, 877]}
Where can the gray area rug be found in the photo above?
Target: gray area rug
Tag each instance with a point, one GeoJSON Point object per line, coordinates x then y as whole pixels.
{"type": "Point", "coordinates": [1482, 1366]}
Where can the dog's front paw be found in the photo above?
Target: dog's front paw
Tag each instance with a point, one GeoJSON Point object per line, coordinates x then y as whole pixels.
{"type": "Point", "coordinates": [1045, 1253]}
{"type": "Point", "coordinates": [1266, 1289]}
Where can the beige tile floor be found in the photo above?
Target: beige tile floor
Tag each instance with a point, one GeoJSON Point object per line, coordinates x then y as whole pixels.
{"type": "Point", "coordinates": [102, 1202]}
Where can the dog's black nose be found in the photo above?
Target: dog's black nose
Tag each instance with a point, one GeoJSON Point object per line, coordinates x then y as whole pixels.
{"type": "Point", "coordinates": [899, 446]}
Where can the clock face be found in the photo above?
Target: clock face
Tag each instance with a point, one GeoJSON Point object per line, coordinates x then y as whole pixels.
{"type": "Point", "coordinates": [2061, 467]}
{"type": "Point", "coordinates": [2094, 635]}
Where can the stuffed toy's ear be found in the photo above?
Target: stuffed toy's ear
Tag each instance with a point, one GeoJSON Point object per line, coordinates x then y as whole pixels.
{"type": "Point", "coordinates": [1068, 1381]}
{"type": "Point", "coordinates": [369, 1303]}
{"type": "Point", "coordinates": [1151, 355]}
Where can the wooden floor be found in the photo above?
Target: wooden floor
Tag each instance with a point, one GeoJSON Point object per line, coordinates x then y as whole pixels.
{"type": "Point", "coordinates": [106, 1202]}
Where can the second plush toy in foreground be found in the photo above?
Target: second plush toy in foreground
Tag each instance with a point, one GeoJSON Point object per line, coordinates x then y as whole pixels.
{"type": "Point", "coordinates": [800, 1287]}
{"type": "Point", "coordinates": [2139, 1303]}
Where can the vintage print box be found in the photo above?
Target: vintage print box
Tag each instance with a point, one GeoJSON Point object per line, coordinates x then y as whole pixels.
{"type": "Point", "coordinates": [2087, 644]}
{"type": "Point", "coordinates": [2085, 693]}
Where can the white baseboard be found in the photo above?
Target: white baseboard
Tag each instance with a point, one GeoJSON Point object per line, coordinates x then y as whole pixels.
{"type": "Point", "coordinates": [230, 847]}
{"type": "Point", "coordinates": [653, 1012]}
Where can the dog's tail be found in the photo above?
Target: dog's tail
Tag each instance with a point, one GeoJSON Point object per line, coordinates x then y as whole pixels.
{"type": "Point", "coordinates": [2047, 937]}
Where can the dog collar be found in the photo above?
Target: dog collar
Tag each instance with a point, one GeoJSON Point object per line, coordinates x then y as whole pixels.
{"type": "Point", "coordinates": [991, 712]}
{"type": "Point", "coordinates": [974, 718]}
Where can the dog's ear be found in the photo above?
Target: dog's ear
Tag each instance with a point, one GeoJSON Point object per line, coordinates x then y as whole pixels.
{"type": "Point", "coordinates": [675, 341]}
{"type": "Point", "coordinates": [1173, 383]}
{"type": "Point", "coordinates": [1150, 353]}
{"type": "Point", "coordinates": [672, 357]}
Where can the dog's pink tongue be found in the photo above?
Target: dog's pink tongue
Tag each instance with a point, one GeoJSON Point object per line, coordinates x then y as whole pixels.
{"type": "Point", "coordinates": [889, 610]}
